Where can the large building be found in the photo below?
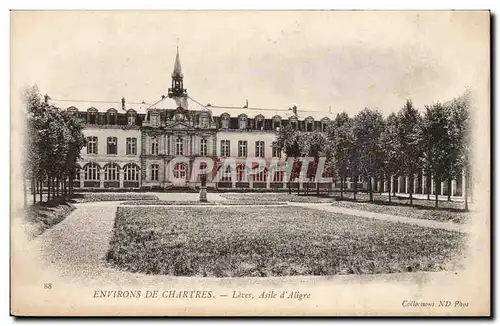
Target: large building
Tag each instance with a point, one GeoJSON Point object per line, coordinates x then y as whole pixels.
{"type": "Point", "coordinates": [137, 145]}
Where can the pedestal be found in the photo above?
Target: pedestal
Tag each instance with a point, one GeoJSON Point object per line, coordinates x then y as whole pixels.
{"type": "Point", "coordinates": [203, 195]}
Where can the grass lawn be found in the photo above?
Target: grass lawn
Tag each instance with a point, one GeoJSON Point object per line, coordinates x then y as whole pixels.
{"type": "Point", "coordinates": [273, 241]}
{"type": "Point", "coordinates": [40, 217]}
{"type": "Point", "coordinates": [93, 197]}
{"type": "Point", "coordinates": [421, 209]}
{"type": "Point", "coordinates": [224, 203]}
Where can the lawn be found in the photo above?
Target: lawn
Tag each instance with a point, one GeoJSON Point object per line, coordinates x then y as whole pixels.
{"type": "Point", "coordinates": [400, 206]}
{"type": "Point", "coordinates": [94, 197]}
{"type": "Point", "coordinates": [273, 241]}
{"type": "Point", "coordinates": [40, 217]}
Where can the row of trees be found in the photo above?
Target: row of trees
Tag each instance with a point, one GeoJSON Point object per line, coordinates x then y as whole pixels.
{"type": "Point", "coordinates": [404, 143]}
{"type": "Point", "coordinates": [53, 143]}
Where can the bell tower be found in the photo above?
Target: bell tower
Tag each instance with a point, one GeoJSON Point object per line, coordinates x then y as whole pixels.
{"type": "Point", "coordinates": [177, 89]}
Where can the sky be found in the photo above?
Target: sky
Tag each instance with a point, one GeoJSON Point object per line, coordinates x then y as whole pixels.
{"type": "Point", "coordinates": [317, 60]}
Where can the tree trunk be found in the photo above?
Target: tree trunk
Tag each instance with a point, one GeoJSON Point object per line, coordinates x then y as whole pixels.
{"type": "Point", "coordinates": [381, 186]}
{"type": "Point", "coordinates": [355, 187]}
{"type": "Point", "coordinates": [25, 193]}
{"type": "Point", "coordinates": [58, 181]}
{"type": "Point", "coordinates": [342, 187]}
{"type": "Point", "coordinates": [390, 184]}
{"type": "Point", "coordinates": [33, 189]}
{"type": "Point", "coordinates": [449, 189]}
{"type": "Point", "coordinates": [428, 185]}
{"type": "Point", "coordinates": [466, 191]}
{"type": "Point", "coordinates": [436, 182]}
{"type": "Point", "coordinates": [410, 186]}
{"type": "Point", "coordinates": [393, 186]}
{"type": "Point", "coordinates": [40, 188]}
{"type": "Point", "coordinates": [370, 188]}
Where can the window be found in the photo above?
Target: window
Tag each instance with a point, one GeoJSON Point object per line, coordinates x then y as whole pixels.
{"type": "Point", "coordinates": [293, 123]}
{"type": "Point", "coordinates": [276, 121]}
{"type": "Point", "coordinates": [92, 145]}
{"type": "Point", "coordinates": [243, 121]}
{"type": "Point", "coordinates": [225, 121]}
{"type": "Point", "coordinates": [92, 116]}
{"type": "Point", "coordinates": [309, 122]}
{"type": "Point", "coordinates": [180, 171]}
{"type": "Point", "coordinates": [77, 173]}
{"type": "Point", "coordinates": [203, 147]}
{"type": "Point", "coordinates": [324, 124]}
{"type": "Point", "coordinates": [112, 145]}
{"type": "Point", "coordinates": [278, 174]}
{"type": "Point", "coordinates": [241, 172]}
{"type": "Point", "coordinates": [92, 172]}
{"type": "Point", "coordinates": [261, 176]}
{"type": "Point", "coordinates": [179, 146]}
{"type": "Point", "coordinates": [154, 145]}
{"type": "Point", "coordinates": [111, 172]}
{"type": "Point", "coordinates": [242, 148]}
{"type": "Point", "coordinates": [154, 172]}
{"type": "Point", "coordinates": [259, 122]}
{"type": "Point", "coordinates": [131, 172]}
{"type": "Point", "coordinates": [227, 175]}
{"type": "Point", "coordinates": [276, 151]}
{"type": "Point", "coordinates": [204, 122]}
{"type": "Point", "coordinates": [155, 119]}
{"type": "Point", "coordinates": [131, 146]}
{"type": "Point", "coordinates": [131, 119]}
{"type": "Point", "coordinates": [259, 149]}
{"type": "Point", "coordinates": [225, 148]}
{"type": "Point", "coordinates": [112, 117]}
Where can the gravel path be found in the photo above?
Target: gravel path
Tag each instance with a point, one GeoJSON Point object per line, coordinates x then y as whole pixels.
{"type": "Point", "coordinates": [449, 226]}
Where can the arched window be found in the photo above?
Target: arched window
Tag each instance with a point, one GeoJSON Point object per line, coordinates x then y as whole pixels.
{"type": "Point", "coordinates": [261, 176]}
{"type": "Point", "coordinates": [278, 174]}
{"type": "Point", "coordinates": [111, 172]}
{"type": "Point", "coordinates": [180, 171]}
{"type": "Point", "coordinates": [203, 147]}
{"type": "Point", "coordinates": [112, 145]}
{"type": "Point", "coordinates": [242, 119]}
{"type": "Point", "coordinates": [227, 175]}
{"type": "Point", "coordinates": [241, 172]}
{"type": "Point", "coordinates": [131, 172]}
{"type": "Point", "coordinates": [154, 172]}
{"type": "Point", "coordinates": [224, 121]}
{"type": "Point", "coordinates": [204, 120]}
{"type": "Point", "coordinates": [179, 146]}
{"type": "Point", "coordinates": [92, 171]}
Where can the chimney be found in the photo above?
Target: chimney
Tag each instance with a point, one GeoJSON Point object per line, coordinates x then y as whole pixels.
{"type": "Point", "coordinates": [123, 103]}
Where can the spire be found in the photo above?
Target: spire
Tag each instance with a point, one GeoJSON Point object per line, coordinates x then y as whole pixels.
{"type": "Point", "coordinates": [177, 66]}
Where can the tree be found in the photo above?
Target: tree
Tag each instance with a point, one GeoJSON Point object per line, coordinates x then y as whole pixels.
{"type": "Point", "coordinates": [288, 139]}
{"type": "Point", "coordinates": [341, 136]}
{"type": "Point", "coordinates": [313, 144]}
{"type": "Point", "coordinates": [439, 143]}
{"type": "Point", "coordinates": [410, 143]}
{"type": "Point", "coordinates": [368, 126]}
{"type": "Point", "coordinates": [390, 149]}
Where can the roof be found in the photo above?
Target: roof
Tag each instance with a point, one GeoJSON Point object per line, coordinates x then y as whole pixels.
{"type": "Point", "coordinates": [177, 66]}
{"type": "Point", "coordinates": [190, 104]}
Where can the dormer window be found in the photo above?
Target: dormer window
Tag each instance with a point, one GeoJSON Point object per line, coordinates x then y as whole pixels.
{"type": "Point", "coordinates": [92, 116]}
{"type": "Point", "coordinates": [225, 121]}
{"type": "Point", "coordinates": [131, 115]}
{"type": "Point", "coordinates": [309, 124]}
{"type": "Point", "coordinates": [242, 119]}
{"type": "Point", "coordinates": [112, 117]}
{"type": "Point", "coordinates": [294, 122]}
{"type": "Point", "coordinates": [259, 122]}
{"type": "Point", "coordinates": [203, 121]}
{"type": "Point", "coordinates": [276, 122]}
{"type": "Point", "coordinates": [154, 118]}
{"type": "Point", "coordinates": [324, 124]}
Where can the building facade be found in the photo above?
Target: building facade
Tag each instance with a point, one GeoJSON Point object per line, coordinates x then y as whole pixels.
{"type": "Point", "coordinates": [135, 146]}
